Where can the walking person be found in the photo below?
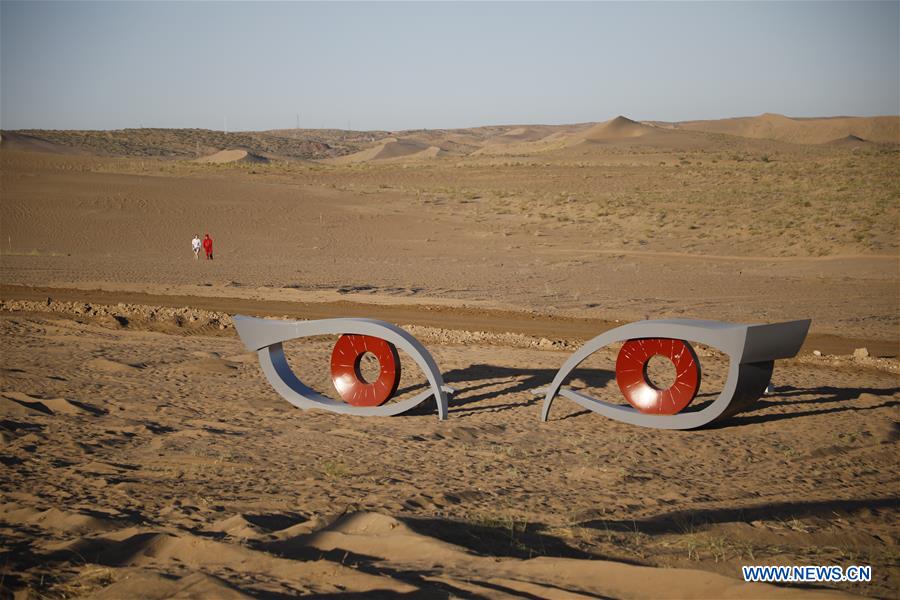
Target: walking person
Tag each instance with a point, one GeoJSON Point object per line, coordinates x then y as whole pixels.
{"type": "Point", "coordinates": [207, 246]}
{"type": "Point", "coordinates": [195, 246]}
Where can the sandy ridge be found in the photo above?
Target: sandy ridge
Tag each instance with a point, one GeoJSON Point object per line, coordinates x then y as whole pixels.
{"type": "Point", "coordinates": [194, 321]}
{"type": "Point", "coordinates": [455, 324]}
{"type": "Point", "coordinates": [388, 547]}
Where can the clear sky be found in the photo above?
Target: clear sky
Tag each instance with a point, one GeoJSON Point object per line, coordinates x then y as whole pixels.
{"type": "Point", "coordinates": [107, 65]}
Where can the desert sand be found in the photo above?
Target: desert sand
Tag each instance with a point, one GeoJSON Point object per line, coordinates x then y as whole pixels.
{"type": "Point", "coordinates": [145, 455]}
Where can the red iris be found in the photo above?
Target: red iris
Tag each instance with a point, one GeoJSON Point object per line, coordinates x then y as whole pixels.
{"type": "Point", "coordinates": [631, 375]}
{"type": "Point", "coordinates": [349, 381]}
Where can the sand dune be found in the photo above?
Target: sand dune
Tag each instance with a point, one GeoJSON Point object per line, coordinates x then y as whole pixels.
{"type": "Point", "coordinates": [524, 145]}
{"type": "Point", "coordinates": [390, 149]}
{"type": "Point", "coordinates": [623, 131]}
{"type": "Point", "coordinates": [231, 156]}
{"type": "Point", "coordinates": [616, 129]}
{"type": "Point", "coordinates": [401, 148]}
{"type": "Point", "coordinates": [430, 152]}
{"type": "Point", "coordinates": [518, 132]}
{"type": "Point", "coordinates": [802, 130]}
{"type": "Point", "coordinates": [11, 140]}
{"type": "Point", "coordinates": [518, 135]}
{"type": "Point", "coordinates": [851, 141]}
{"type": "Point", "coordinates": [532, 139]}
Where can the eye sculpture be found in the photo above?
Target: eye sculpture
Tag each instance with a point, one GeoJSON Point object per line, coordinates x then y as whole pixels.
{"type": "Point", "coordinates": [752, 351]}
{"type": "Point", "coordinates": [357, 337]}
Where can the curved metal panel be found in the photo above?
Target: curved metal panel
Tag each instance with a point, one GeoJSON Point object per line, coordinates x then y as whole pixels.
{"type": "Point", "coordinates": [751, 349]}
{"type": "Point", "coordinates": [265, 336]}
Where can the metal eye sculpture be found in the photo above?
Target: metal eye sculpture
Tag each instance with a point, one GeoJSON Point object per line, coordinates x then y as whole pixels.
{"type": "Point", "coordinates": [752, 351]}
{"type": "Point", "coordinates": [357, 338]}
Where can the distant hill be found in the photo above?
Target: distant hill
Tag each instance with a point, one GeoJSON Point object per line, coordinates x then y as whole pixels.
{"type": "Point", "coordinates": [799, 130]}
{"type": "Point", "coordinates": [13, 140]}
{"type": "Point", "coordinates": [177, 143]}
{"type": "Point", "coordinates": [627, 132]}
{"type": "Point", "coordinates": [339, 147]}
{"type": "Point", "coordinates": [617, 129]}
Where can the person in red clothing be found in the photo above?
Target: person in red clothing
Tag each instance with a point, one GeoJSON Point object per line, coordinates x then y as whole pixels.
{"type": "Point", "coordinates": [207, 246]}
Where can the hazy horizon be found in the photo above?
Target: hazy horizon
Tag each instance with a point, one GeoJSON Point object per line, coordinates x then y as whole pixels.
{"type": "Point", "coordinates": [521, 124]}
{"type": "Point", "coordinates": [401, 66]}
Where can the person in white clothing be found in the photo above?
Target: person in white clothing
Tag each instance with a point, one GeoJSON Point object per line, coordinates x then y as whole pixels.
{"type": "Point", "coordinates": [195, 244]}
